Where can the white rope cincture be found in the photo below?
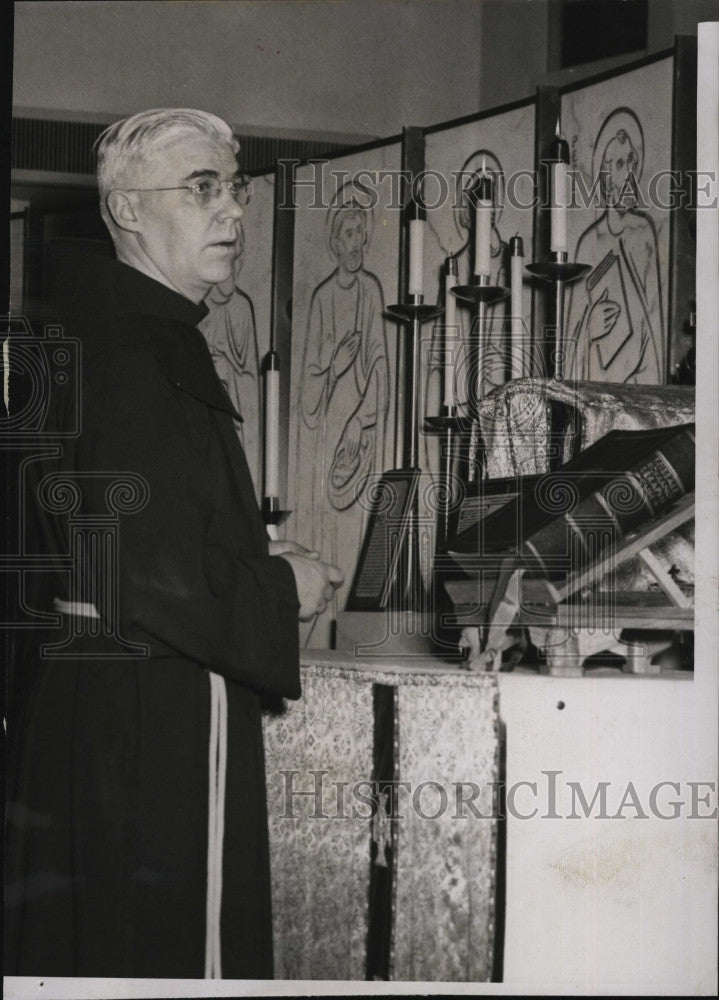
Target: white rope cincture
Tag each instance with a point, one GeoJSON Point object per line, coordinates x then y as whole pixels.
{"type": "Point", "coordinates": [81, 609]}
{"type": "Point", "coordinates": [216, 824]}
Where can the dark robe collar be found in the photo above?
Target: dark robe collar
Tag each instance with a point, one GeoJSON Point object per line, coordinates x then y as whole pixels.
{"type": "Point", "coordinates": [121, 305]}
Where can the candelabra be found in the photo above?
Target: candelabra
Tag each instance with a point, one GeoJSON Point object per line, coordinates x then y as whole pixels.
{"type": "Point", "coordinates": [480, 294]}
{"type": "Point", "coordinates": [409, 591]}
{"type": "Point", "coordinates": [559, 272]}
{"type": "Point", "coordinates": [271, 511]}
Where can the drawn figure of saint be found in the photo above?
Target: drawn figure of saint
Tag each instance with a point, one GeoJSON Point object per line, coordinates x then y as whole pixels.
{"type": "Point", "coordinates": [614, 317]}
{"type": "Point", "coordinates": [344, 394]}
{"type": "Point", "coordinates": [495, 357]}
{"type": "Point", "coordinates": [230, 332]}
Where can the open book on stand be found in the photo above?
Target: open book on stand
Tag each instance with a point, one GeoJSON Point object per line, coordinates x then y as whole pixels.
{"type": "Point", "coordinates": [565, 519]}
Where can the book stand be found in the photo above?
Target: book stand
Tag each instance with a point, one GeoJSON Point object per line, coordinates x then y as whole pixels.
{"type": "Point", "coordinates": [576, 605]}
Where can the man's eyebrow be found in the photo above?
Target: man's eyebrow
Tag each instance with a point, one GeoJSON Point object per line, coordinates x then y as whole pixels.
{"type": "Point", "coordinates": [201, 173]}
{"type": "Point", "coordinates": [211, 173]}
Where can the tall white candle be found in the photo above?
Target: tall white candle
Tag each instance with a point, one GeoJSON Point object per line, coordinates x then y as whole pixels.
{"type": "Point", "coordinates": [559, 155]}
{"type": "Point", "coordinates": [516, 251]}
{"type": "Point", "coordinates": [416, 257]}
{"type": "Point", "coordinates": [451, 332]}
{"type": "Point", "coordinates": [483, 224]}
{"type": "Point", "coordinates": [272, 429]}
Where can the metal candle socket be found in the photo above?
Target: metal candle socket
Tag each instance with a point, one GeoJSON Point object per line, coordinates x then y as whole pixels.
{"type": "Point", "coordinates": [559, 271]}
{"type": "Point", "coordinates": [448, 425]}
{"type": "Point", "coordinates": [413, 315]}
{"type": "Point", "coordinates": [480, 295]}
{"type": "Point", "coordinates": [271, 512]}
{"type": "Point", "coordinates": [409, 592]}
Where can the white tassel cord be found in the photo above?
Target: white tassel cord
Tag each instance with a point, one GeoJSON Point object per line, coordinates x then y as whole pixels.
{"type": "Point", "coordinates": [216, 824]}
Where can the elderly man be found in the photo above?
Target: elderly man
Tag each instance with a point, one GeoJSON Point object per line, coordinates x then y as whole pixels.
{"type": "Point", "coordinates": [137, 834]}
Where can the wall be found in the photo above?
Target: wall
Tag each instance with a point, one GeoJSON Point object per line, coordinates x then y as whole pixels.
{"type": "Point", "coordinates": [364, 67]}
{"type": "Point", "coordinates": [517, 42]}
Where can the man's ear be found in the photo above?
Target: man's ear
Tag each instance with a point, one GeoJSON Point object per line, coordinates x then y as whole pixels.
{"type": "Point", "coordinates": [122, 211]}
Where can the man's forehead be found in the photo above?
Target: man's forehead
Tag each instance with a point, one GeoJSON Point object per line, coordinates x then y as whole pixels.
{"type": "Point", "coordinates": [181, 156]}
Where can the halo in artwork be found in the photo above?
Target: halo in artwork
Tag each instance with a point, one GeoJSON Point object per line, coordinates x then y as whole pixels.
{"type": "Point", "coordinates": [350, 196]}
{"type": "Point", "coordinates": [620, 120]}
{"type": "Point", "coordinates": [473, 165]}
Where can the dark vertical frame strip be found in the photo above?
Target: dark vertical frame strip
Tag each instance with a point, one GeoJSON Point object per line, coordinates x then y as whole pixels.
{"type": "Point", "coordinates": [281, 307]}
{"type": "Point", "coordinates": [499, 813]}
{"type": "Point", "coordinates": [548, 108]}
{"type": "Point", "coordinates": [412, 165]}
{"type": "Point", "coordinates": [381, 877]}
{"type": "Point", "coordinates": [682, 225]}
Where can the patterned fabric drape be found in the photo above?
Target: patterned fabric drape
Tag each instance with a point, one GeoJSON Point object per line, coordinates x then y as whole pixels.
{"type": "Point", "coordinates": [445, 871]}
{"type": "Point", "coordinates": [515, 424]}
{"type": "Point", "coordinates": [320, 866]}
{"type": "Point", "coordinates": [443, 897]}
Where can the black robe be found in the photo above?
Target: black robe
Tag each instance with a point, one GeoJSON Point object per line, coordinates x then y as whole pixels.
{"type": "Point", "coordinates": [107, 832]}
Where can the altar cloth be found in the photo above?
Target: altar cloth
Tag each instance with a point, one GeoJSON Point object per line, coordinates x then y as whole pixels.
{"type": "Point", "coordinates": [443, 894]}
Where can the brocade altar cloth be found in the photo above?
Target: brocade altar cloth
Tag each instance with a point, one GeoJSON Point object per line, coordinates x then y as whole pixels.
{"type": "Point", "coordinates": [443, 834]}
{"type": "Point", "coordinates": [515, 425]}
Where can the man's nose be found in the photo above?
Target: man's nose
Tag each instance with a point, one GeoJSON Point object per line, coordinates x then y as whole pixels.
{"type": "Point", "coordinates": [228, 208]}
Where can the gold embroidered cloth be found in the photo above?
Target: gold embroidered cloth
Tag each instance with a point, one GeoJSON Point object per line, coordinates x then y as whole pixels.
{"type": "Point", "coordinates": [445, 853]}
{"type": "Point", "coordinates": [514, 418]}
{"type": "Point", "coordinates": [444, 875]}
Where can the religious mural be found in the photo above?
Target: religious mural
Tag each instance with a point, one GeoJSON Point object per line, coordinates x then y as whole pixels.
{"type": "Point", "coordinates": [230, 331]}
{"type": "Point", "coordinates": [237, 327]}
{"type": "Point", "coordinates": [616, 315]}
{"type": "Point", "coordinates": [343, 360]}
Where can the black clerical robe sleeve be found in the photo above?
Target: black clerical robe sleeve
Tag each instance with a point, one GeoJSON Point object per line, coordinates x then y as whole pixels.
{"type": "Point", "coordinates": [194, 575]}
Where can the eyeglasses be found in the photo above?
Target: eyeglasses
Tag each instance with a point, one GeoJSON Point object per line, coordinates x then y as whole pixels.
{"type": "Point", "coordinates": [208, 190]}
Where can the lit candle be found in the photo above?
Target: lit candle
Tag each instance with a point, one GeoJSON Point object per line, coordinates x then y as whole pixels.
{"type": "Point", "coordinates": [559, 157]}
{"type": "Point", "coordinates": [483, 222]}
{"type": "Point", "coordinates": [272, 424]}
{"type": "Point", "coordinates": [451, 333]}
{"type": "Point", "coordinates": [516, 258]}
{"type": "Point", "coordinates": [416, 254]}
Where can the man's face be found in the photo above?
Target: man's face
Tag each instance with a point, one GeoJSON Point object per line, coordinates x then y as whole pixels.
{"type": "Point", "coordinates": [620, 160]}
{"type": "Point", "coordinates": [191, 245]}
{"type": "Point", "coordinates": [239, 256]}
{"type": "Point", "coordinates": [349, 241]}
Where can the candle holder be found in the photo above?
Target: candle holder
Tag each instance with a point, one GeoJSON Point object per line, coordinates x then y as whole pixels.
{"type": "Point", "coordinates": [272, 513]}
{"type": "Point", "coordinates": [560, 272]}
{"type": "Point", "coordinates": [480, 294]}
{"type": "Point", "coordinates": [409, 592]}
{"type": "Point", "coordinates": [449, 425]}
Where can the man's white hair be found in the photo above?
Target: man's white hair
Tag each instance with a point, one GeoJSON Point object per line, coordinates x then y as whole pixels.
{"type": "Point", "coordinates": [126, 143]}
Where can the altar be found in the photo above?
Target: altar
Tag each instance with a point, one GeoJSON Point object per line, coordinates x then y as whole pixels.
{"type": "Point", "coordinates": [477, 885]}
